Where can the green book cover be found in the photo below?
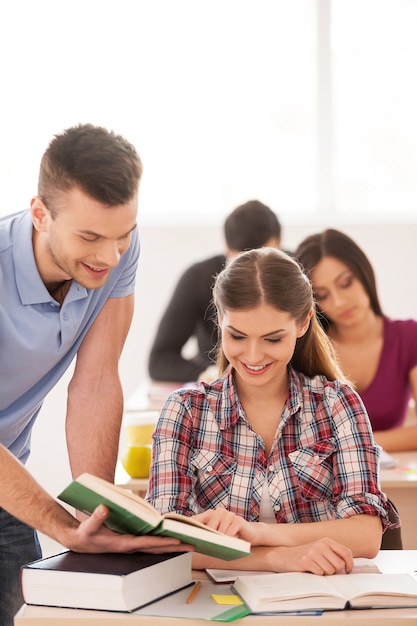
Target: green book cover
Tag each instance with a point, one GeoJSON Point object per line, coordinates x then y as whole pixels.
{"type": "Point", "coordinates": [129, 513]}
{"type": "Point", "coordinates": [120, 519]}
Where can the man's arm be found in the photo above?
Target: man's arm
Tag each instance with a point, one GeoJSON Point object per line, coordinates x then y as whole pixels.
{"type": "Point", "coordinates": [25, 499]}
{"type": "Point", "coordinates": [95, 398]}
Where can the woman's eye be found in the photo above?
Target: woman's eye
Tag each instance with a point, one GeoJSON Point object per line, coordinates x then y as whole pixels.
{"type": "Point", "coordinates": [275, 340]}
{"type": "Point", "coordinates": [237, 337]}
{"type": "Point", "coordinates": [347, 283]}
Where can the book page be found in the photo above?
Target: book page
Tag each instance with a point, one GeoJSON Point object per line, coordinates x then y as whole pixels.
{"type": "Point", "coordinates": [121, 497]}
{"type": "Point", "coordinates": [190, 520]}
{"type": "Point", "coordinates": [372, 586]}
{"type": "Point", "coordinates": [177, 528]}
{"type": "Point", "coordinates": [230, 575]}
{"type": "Point", "coordinates": [272, 587]}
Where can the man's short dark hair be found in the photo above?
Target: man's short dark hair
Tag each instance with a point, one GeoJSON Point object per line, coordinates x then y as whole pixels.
{"type": "Point", "coordinates": [102, 164]}
{"type": "Point", "coordinates": [250, 226]}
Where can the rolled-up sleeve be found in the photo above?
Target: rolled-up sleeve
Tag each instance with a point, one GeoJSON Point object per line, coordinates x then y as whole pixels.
{"type": "Point", "coordinates": [356, 462]}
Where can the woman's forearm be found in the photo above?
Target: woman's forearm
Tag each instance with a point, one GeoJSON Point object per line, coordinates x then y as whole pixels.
{"type": "Point", "coordinates": [322, 557]}
{"type": "Point", "coordinates": [361, 533]}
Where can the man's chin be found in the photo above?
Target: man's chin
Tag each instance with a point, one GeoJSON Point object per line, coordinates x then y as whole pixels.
{"type": "Point", "coordinates": [92, 284]}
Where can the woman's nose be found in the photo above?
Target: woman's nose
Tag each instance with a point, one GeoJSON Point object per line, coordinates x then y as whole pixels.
{"type": "Point", "coordinates": [254, 353]}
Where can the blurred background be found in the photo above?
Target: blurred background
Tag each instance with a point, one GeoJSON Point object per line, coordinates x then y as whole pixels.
{"type": "Point", "coordinates": [307, 105]}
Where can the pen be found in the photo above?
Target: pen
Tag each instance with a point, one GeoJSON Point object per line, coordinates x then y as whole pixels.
{"type": "Point", "coordinates": [193, 592]}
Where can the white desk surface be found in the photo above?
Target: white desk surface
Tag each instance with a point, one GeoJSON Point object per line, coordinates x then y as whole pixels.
{"type": "Point", "coordinates": [404, 476]}
{"type": "Point", "coordinates": [389, 561]}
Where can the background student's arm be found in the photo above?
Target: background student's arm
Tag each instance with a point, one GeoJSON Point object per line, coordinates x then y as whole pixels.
{"type": "Point", "coordinates": [404, 437]}
{"type": "Point", "coordinates": [95, 398]}
{"type": "Point", "coordinates": [177, 325]}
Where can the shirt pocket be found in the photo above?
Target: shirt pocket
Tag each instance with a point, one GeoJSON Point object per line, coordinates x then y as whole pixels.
{"type": "Point", "coordinates": [213, 473]}
{"type": "Point", "coordinates": [313, 468]}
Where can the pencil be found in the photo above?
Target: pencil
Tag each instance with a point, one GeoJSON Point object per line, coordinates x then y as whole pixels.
{"type": "Point", "coordinates": [193, 592]}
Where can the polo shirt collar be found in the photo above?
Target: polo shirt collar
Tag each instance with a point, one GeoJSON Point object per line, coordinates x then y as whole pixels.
{"type": "Point", "coordinates": [29, 283]}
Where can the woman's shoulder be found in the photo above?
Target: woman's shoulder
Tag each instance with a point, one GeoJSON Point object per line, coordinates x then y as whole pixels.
{"type": "Point", "coordinates": [319, 384]}
{"type": "Point", "coordinates": [319, 389]}
{"type": "Point", "coordinates": [400, 329]}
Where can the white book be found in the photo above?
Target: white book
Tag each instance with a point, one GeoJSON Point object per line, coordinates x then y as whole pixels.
{"type": "Point", "coordinates": [294, 591]}
{"type": "Point", "coordinates": [386, 461]}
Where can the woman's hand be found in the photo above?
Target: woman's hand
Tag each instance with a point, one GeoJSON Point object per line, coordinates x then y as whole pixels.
{"type": "Point", "coordinates": [229, 524]}
{"type": "Point", "coordinates": [323, 557]}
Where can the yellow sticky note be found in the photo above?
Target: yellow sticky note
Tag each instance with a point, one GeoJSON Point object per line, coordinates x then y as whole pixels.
{"type": "Point", "coordinates": [232, 599]}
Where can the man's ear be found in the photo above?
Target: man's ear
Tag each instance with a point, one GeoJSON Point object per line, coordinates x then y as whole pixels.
{"type": "Point", "coordinates": [40, 214]}
{"type": "Point", "coordinates": [304, 326]}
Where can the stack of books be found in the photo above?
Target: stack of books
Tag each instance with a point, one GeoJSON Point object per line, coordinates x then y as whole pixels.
{"type": "Point", "coordinates": [122, 582]}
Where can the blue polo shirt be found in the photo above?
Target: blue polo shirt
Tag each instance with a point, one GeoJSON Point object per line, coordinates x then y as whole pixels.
{"type": "Point", "coordinates": [38, 337]}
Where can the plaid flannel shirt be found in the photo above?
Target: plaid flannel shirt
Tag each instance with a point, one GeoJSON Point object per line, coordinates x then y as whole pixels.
{"type": "Point", "coordinates": [323, 463]}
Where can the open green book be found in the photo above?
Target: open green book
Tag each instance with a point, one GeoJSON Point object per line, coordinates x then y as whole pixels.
{"type": "Point", "coordinates": [129, 513]}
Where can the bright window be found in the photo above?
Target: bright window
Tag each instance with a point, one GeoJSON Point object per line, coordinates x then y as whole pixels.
{"type": "Point", "coordinates": [309, 106]}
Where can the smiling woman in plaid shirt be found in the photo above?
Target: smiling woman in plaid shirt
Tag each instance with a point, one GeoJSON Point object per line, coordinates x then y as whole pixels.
{"type": "Point", "coordinates": [279, 449]}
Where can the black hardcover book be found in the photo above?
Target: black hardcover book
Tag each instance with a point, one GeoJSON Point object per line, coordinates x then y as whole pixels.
{"type": "Point", "coordinates": [106, 582]}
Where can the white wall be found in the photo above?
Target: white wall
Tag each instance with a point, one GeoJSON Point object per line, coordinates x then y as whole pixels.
{"type": "Point", "coordinates": [166, 252]}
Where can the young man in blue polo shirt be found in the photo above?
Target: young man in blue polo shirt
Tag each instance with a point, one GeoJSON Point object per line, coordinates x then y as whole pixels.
{"type": "Point", "coordinates": [67, 277]}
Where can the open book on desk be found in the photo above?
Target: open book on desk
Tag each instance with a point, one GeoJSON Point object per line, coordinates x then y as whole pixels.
{"type": "Point", "coordinates": [129, 513]}
{"type": "Point", "coordinates": [294, 591]}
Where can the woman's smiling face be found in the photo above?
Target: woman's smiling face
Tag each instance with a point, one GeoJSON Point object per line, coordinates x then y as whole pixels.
{"type": "Point", "coordinates": [259, 342]}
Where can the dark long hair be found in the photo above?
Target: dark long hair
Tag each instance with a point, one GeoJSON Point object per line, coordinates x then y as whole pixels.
{"type": "Point", "coordinates": [334, 243]}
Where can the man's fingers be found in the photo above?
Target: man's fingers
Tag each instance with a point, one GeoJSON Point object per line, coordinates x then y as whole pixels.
{"type": "Point", "coordinates": [96, 520]}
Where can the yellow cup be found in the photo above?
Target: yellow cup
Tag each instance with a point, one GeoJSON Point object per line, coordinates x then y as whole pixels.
{"type": "Point", "coordinates": [139, 426]}
{"type": "Point", "coordinates": [137, 460]}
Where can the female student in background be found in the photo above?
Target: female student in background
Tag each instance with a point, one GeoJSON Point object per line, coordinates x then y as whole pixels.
{"type": "Point", "coordinates": [378, 354]}
{"type": "Point", "coordinates": [280, 438]}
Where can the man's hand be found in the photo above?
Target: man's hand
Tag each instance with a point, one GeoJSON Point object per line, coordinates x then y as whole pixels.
{"type": "Point", "coordinates": [92, 536]}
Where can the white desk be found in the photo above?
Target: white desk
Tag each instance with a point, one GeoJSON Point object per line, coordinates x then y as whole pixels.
{"type": "Point", "coordinates": [388, 561]}
{"type": "Point", "coordinates": [38, 616]}
{"type": "Point", "coordinates": [400, 485]}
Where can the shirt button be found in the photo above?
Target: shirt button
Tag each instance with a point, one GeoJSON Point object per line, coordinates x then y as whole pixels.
{"type": "Point", "coordinates": [271, 468]}
{"type": "Point", "coordinates": [209, 469]}
{"type": "Point", "coordinates": [316, 459]}
{"type": "Point", "coordinates": [65, 316]}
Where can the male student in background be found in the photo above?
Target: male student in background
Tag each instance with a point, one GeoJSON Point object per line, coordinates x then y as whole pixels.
{"type": "Point", "coordinates": [67, 276]}
{"type": "Point", "coordinates": [189, 312]}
